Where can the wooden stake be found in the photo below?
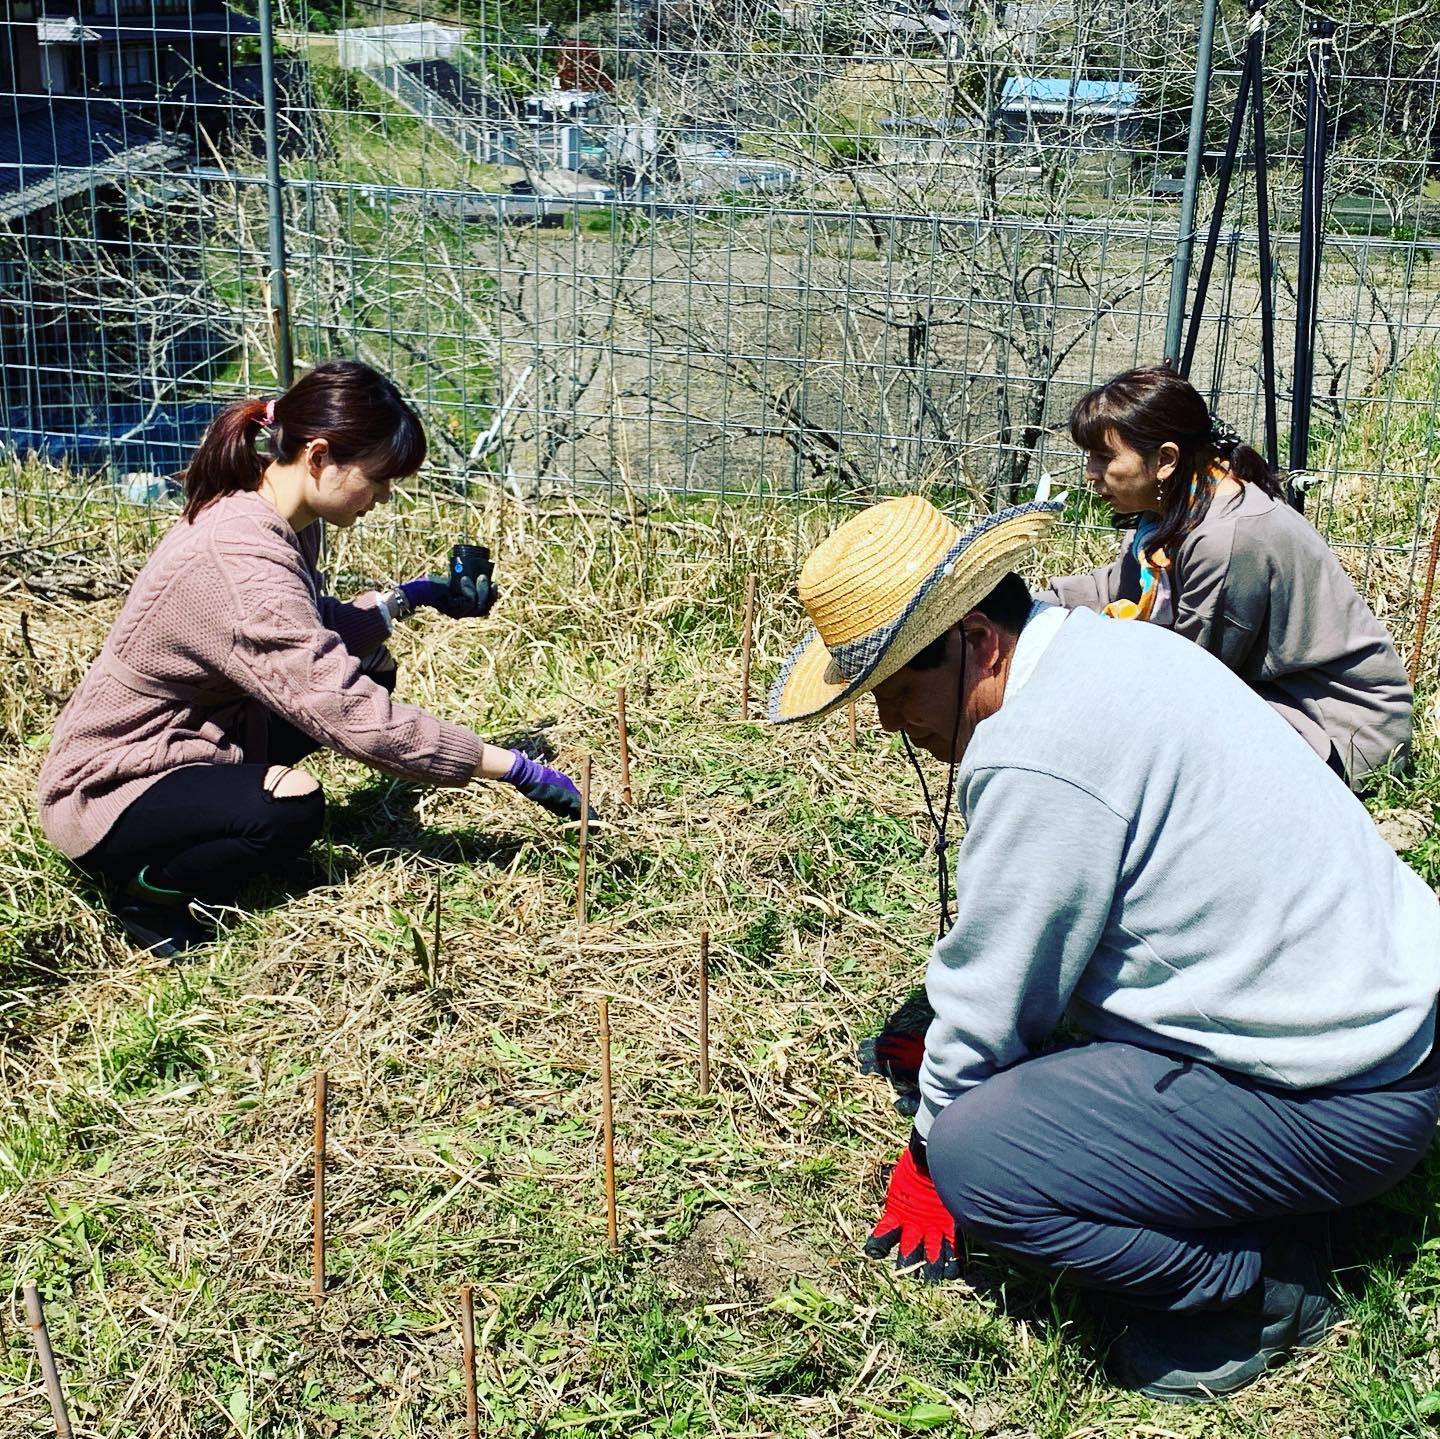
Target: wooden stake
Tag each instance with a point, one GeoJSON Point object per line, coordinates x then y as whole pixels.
{"type": "Point", "coordinates": [435, 948]}
{"type": "Point", "coordinates": [854, 729]}
{"type": "Point", "coordinates": [704, 1011]}
{"type": "Point", "coordinates": [317, 1268]}
{"type": "Point", "coordinates": [35, 1314]}
{"type": "Point", "coordinates": [624, 747]}
{"type": "Point", "coordinates": [607, 1110]}
{"type": "Point", "coordinates": [467, 1350]}
{"type": "Point", "coordinates": [580, 908]}
{"type": "Point", "coordinates": [746, 645]}
{"type": "Point", "coordinates": [1423, 619]}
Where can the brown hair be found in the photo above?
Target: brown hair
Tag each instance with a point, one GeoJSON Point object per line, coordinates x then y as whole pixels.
{"type": "Point", "coordinates": [362, 415]}
{"type": "Point", "coordinates": [1153, 406]}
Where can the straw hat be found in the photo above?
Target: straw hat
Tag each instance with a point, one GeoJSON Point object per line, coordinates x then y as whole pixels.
{"type": "Point", "coordinates": [884, 585]}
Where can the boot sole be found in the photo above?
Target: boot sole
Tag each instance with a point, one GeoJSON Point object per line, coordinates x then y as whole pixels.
{"type": "Point", "coordinates": [152, 941]}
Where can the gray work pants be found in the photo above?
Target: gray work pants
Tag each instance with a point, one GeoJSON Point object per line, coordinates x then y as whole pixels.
{"type": "Point", "coordinates": [1157, 1178]}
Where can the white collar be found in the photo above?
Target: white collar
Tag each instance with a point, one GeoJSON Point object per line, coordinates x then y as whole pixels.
{"type": "Point", "coordinates": [1042, 624]}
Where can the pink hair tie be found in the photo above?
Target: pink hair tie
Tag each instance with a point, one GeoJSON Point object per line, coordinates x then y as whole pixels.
{"type": "Point", "coordinates": [269, 420]}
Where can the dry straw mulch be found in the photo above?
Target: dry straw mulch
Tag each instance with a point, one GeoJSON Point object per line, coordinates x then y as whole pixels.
{"type": "Point", "coordinates": [155, 1123]}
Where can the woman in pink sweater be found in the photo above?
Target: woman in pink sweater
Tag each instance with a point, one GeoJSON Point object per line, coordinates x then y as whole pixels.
{"type": "Point", "coordinates": [170, 775]}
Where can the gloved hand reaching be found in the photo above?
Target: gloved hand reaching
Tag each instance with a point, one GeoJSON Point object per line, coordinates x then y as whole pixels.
{"type": "Point", "coordinates": [895, 1054]}
{"type": "Point", "coordinates": [548, 787]}
{"type": "Point", "coordinates": [475, 598]}
{"type": "Point", "coordinates": [916, 1224]}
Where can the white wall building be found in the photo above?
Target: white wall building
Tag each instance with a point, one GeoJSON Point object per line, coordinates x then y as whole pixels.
{"type": "Point", "coordinates": [372, 47]}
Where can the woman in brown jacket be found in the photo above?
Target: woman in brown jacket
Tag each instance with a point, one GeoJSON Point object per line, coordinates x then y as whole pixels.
{"type": "Point", "coordinates": [171, 775]}
{"type": "Point", "coordinates": [1219, 557]}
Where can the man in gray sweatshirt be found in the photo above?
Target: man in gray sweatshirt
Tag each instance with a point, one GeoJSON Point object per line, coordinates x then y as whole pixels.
{"type": "Point", "coordinates": [1155, 855]}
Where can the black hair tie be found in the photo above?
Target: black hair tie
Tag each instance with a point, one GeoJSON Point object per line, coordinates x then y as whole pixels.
{"type": "Point", "coordinates": [1224, 438]}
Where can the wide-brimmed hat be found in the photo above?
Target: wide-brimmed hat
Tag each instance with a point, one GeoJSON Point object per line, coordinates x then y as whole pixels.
{"type": "Point", "coordinates": [884, 585]}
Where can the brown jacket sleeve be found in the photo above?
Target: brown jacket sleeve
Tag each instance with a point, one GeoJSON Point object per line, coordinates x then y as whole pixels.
{"type": "Point", "coordinates": [359, 622]}
{"type": "Point", "coordinates": [1094, 589]}
{"type": "Point", "coordinates": [1221, 597]}
{"type": "Point", "coordinates": [1258, 587]}
{"type": "Point", "coordinates": [294, 664]}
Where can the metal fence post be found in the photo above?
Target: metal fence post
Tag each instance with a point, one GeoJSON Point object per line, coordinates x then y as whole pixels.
{"type": "Point", "coordinates": [1185, 239]}
{"type": "Point", "coordinates": [1312, 227]}
{"type": "Point", "coordinates": [279, 293]}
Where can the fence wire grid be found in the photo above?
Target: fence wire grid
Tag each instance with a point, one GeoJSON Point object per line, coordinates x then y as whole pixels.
{"type": "Point", "coordinates": [670, 249]}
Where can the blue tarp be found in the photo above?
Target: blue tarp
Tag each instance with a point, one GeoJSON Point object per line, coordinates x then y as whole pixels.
{"type": "Point", "coordinates": [162, 445]}
{"type": "Point", "coordinates": [1049, 96]}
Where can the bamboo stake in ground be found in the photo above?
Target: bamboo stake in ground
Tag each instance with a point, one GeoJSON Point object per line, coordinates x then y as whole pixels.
{"type": "Point", "coordinates": [854, 728]}
{"type": "Point", "coordinates": [607, 1112]}
{"type": "Point", "coordinates": [435, 949]}
{"type": "Point", "coordinates": [317, 1268]}
{"type": "Point", "coordinates": [1423, 619]}
{"type": "Point", "coordinates": [624, 747]}
{"type": "Point", "coordinates": [580, 908]}
{"type": "Point", "coordinates": [704, 1011]}
{"type": "Point", "coordinates": [467, 1350]}
{"type": "Point", "coordinates": [35, 1314]}
{"type": "Point", "coordinates": [745, 647]}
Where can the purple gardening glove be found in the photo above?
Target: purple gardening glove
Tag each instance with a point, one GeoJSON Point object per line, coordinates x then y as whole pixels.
{"type": "Point", "coordinates": [475, 600]}
{"type": "Point", "coordinates": [546, 786]}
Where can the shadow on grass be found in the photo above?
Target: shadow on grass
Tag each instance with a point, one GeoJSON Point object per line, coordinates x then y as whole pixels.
{"type": "Point", "coordinates": [1389, 1233]}
{"type": "Point", "coordinates": [380, 816]}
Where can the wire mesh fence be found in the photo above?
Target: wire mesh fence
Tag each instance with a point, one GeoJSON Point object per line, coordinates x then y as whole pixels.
{"type": "Point", "coordinates": [671, 249]}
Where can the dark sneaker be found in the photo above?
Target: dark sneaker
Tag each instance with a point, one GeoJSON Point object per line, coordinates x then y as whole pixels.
{"type": "Point", "coordinates": [163, 930]}
{"type": "Point", "coordinates": [1192, 1358]}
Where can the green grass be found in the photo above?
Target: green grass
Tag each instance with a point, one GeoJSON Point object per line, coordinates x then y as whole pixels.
{"type": "Point", "coordinates": [155, 1124]}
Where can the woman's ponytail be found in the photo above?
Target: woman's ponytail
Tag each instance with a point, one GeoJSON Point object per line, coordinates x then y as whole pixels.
{"type": "Point", "coordinates": [227, 460]}
{"type": "Point", "coordinates": [1250, 465]}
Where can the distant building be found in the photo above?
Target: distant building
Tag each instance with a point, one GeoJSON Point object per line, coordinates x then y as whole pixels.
{"type": "Point", "coordinates": [915, 140]}
{"type": "Point", "coordinates": [106, 97]}
{"type": "Point", "coordinates": [1075, 115]}
{"type": "Point", "coordinates": [371, 47]}
{"type": "Point", "coordinates": [171, 62]}
{"type": "Point", "coordinates": [580, 66]}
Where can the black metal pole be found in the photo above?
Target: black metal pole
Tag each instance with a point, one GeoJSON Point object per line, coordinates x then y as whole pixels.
{"type": "Point", "coordinates": [1307, 284]}
{"type": "Point", "coordinates": [1185, 235]}
{"type": "Point", "coordinates": [1262, 226]}
{"type": "Point", "coordinates": [278, 287]}
{"type": "Point", "coordinates": [1217, 216]}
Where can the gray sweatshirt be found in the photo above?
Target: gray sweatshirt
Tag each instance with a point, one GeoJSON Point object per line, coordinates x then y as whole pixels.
{"type": "Point", "coordinates": [1153, 852]}
{"type": "Point", "coordinates": [1257, 586]}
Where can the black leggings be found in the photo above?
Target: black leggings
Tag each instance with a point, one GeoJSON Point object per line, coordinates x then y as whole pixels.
{"type": "Point", "coordinates": [208, 829]}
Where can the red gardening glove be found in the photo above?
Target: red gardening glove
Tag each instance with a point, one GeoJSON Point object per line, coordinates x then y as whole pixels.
{"type": "Point", "coordinates": [917, 1224]}
{"type": "Point", "coordinates": [901, 1054]}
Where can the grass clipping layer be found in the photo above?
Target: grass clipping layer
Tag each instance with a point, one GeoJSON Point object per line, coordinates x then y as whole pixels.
{"type": "Point", "coordinates": [155, 1121]}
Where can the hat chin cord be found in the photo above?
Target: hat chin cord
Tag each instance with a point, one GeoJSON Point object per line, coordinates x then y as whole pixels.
{"type": "Point", "coordinates": [941, 824]}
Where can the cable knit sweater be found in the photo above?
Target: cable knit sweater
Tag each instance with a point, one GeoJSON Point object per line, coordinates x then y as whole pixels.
{"type": "Point", "coordinates": [227, 623]}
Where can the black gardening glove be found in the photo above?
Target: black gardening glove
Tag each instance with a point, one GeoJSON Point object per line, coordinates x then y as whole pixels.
{"type": "Point", "coordinates": [471, 599]}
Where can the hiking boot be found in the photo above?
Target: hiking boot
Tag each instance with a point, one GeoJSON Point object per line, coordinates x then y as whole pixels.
{"type": "Point", "coordinates": [1209, 1354]}
{"type": "Point", "coordinates": [159, 919]}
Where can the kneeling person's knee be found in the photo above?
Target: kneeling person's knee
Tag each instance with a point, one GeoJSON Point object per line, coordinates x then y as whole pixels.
{"type": "Point", "coordinates": [987, 1179]}
{"type": "Point", "coordinates": [283, 782]}
{"type": "Point", "coordinates": [295, 812]}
